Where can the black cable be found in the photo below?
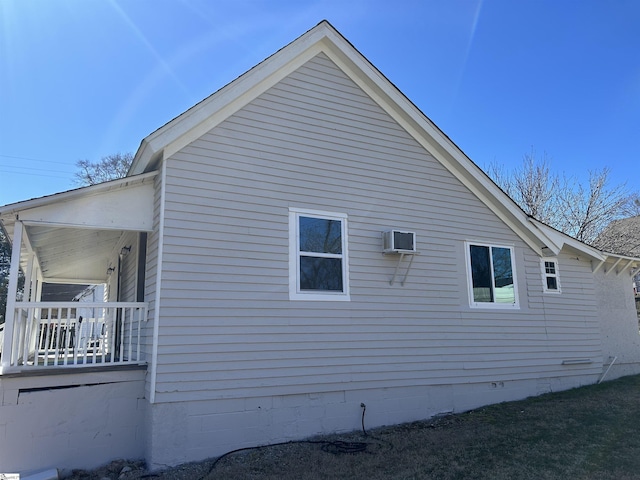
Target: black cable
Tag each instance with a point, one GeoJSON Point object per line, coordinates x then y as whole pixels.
{"type": "Point", "coordinates": [364, 409]}
{"type": "Point", "coordinates": [336, 447]}
{"type": "Point", "coordinates": [339, 447]}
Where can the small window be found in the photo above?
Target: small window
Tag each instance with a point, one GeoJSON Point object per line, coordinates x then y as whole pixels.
{"type": "Point", "coordinates": [318, 256]}
{"type": "Point", "coordinates": [491, 272]}
{"type": "Point", "coordinates": [550, 278]}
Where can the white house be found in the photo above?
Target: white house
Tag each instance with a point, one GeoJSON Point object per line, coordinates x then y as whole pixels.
{"type": "Point", "coordinates": [300, 242]}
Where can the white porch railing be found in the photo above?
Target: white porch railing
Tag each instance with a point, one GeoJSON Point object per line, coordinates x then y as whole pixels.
{"type": "Point", "coordinates": [54, 334]}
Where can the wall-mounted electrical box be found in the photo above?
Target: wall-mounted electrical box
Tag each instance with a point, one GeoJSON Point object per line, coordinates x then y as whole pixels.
{"type": "Point", "coordinates": [397, 241]}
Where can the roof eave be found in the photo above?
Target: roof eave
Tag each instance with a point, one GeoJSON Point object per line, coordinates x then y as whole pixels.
{"type": "Point", "coordinates": [13, 208]}
{"type": "Point", "coordinates": [562, 240]}
{"type": "Point", "coordinates": [323, 38]}
{"type": "Point", "coordinates": [218, 106]}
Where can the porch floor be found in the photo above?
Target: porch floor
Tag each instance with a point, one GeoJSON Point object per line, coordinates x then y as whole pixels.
{"type": "Point", "coordinates": [39, 371]}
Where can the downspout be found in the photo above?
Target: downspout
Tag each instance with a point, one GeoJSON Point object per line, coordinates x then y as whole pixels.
{"type": "Point", "coordinates": [12, 293]}
{"type": "Point", "coordinates": [156, 309]}
{"type": "Point", "coordinates": [607, 370]}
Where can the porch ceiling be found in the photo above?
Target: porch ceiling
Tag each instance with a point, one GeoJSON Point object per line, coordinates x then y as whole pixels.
{"type": "Point", "coordinates": [77, 254]}
{"type": "Point", "coordinates": [75, 235]}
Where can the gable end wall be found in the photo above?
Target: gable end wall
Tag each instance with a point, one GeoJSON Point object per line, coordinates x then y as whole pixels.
{"type": "Point", "coordinates": [232, 346]}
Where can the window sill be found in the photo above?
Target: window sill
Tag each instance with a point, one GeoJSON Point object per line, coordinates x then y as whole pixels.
{"type": "Point", "coordinates": [495, 306]}
{"type": "Point", "coordinates": [320, 297]}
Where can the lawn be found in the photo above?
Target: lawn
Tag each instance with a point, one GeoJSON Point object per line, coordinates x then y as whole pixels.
{"type": "Point", "coordinates": [584, 433]}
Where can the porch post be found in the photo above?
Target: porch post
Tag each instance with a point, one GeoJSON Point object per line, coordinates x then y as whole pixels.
{"type": "Point", "coordinates": [38, 296]}
{"type": "Point", "coordinates": [28, 278]}
{"type": "Point", "coordinates": [12, 293]}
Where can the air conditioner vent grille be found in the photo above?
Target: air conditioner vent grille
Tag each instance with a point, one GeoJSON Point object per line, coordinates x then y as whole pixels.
{"type": "Point", "coordinates": [398, 241]}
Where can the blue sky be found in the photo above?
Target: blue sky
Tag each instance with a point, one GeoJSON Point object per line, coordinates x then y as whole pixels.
{"type": "Point", "coordinates": [81, 79]}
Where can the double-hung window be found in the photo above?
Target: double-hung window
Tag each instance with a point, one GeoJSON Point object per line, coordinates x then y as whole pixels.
{"type": "Point", "coordinates": [318, 267]}
{"type": "Point", "coordinates": [550, 277]}
{"type": "Point", "coordinates": [491, 274]}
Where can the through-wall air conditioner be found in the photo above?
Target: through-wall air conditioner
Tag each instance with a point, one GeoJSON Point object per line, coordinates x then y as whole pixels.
{"type": "Point", "coordinates": [397, 241]}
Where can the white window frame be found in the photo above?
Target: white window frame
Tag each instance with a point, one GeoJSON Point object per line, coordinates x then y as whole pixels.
{"type": "Point", "coordinates": [543, 267]}
{"type": "Point", "coordinates": [294, 256]}
{"type": "Point", "coordinates": [494, 304]}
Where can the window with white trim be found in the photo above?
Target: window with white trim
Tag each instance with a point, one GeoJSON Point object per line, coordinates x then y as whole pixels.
{"type": "Point", "coordinates": [550, 276]}
{"type": "Point", "coordinates": [491, 276]}
{"type": "Point", "coordinates": [318, 267]}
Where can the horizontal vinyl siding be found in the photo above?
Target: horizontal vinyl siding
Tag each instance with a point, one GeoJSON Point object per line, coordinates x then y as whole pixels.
{"type": "Point", "coordinates": [151, 265]}
{"type": "Point", "coordinates": [573, 313]}
{"type": "Point", "coordinates": [129, 266]}
{"type": "Point", "coordinates": [317, 141]}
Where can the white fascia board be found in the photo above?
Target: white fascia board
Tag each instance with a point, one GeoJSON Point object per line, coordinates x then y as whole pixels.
{"type": "Point", "coordinates": [74, 280]}
{"type": "Point", "coordinates": [76, 207]}
{"type": "Point", "coordinates": [139, 164]}
{"type": "Point", "coordinates": [623, 257]}
{"type": "Point", "coordinates": [123, 209]}
{"type": "Point", "coordinates": [555, 239]}
{"type": "Point", "coordinates": [205, 115]}
{"type": "Point", "coordinates": [627, 262]}
{"type": "Point", "coordinates": [13, 208]}
{"type": "Point", "coordinates": [562, 240]}
{"type": "Point", "coordinates": [232, 100]}
{"type": "Point", "coordinates": [396, 104]}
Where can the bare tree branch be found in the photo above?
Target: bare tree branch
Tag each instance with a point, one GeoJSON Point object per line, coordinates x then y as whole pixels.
{"type": "Point", "coordinates": [580, 211]}
{"type": "Point", "coordinates": [532, 186]}
{"type": "Point", "coordinates": [108, 168]}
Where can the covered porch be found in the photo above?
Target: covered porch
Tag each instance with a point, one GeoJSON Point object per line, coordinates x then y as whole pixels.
{"type": "Point", "coordinates": [93, 236]}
